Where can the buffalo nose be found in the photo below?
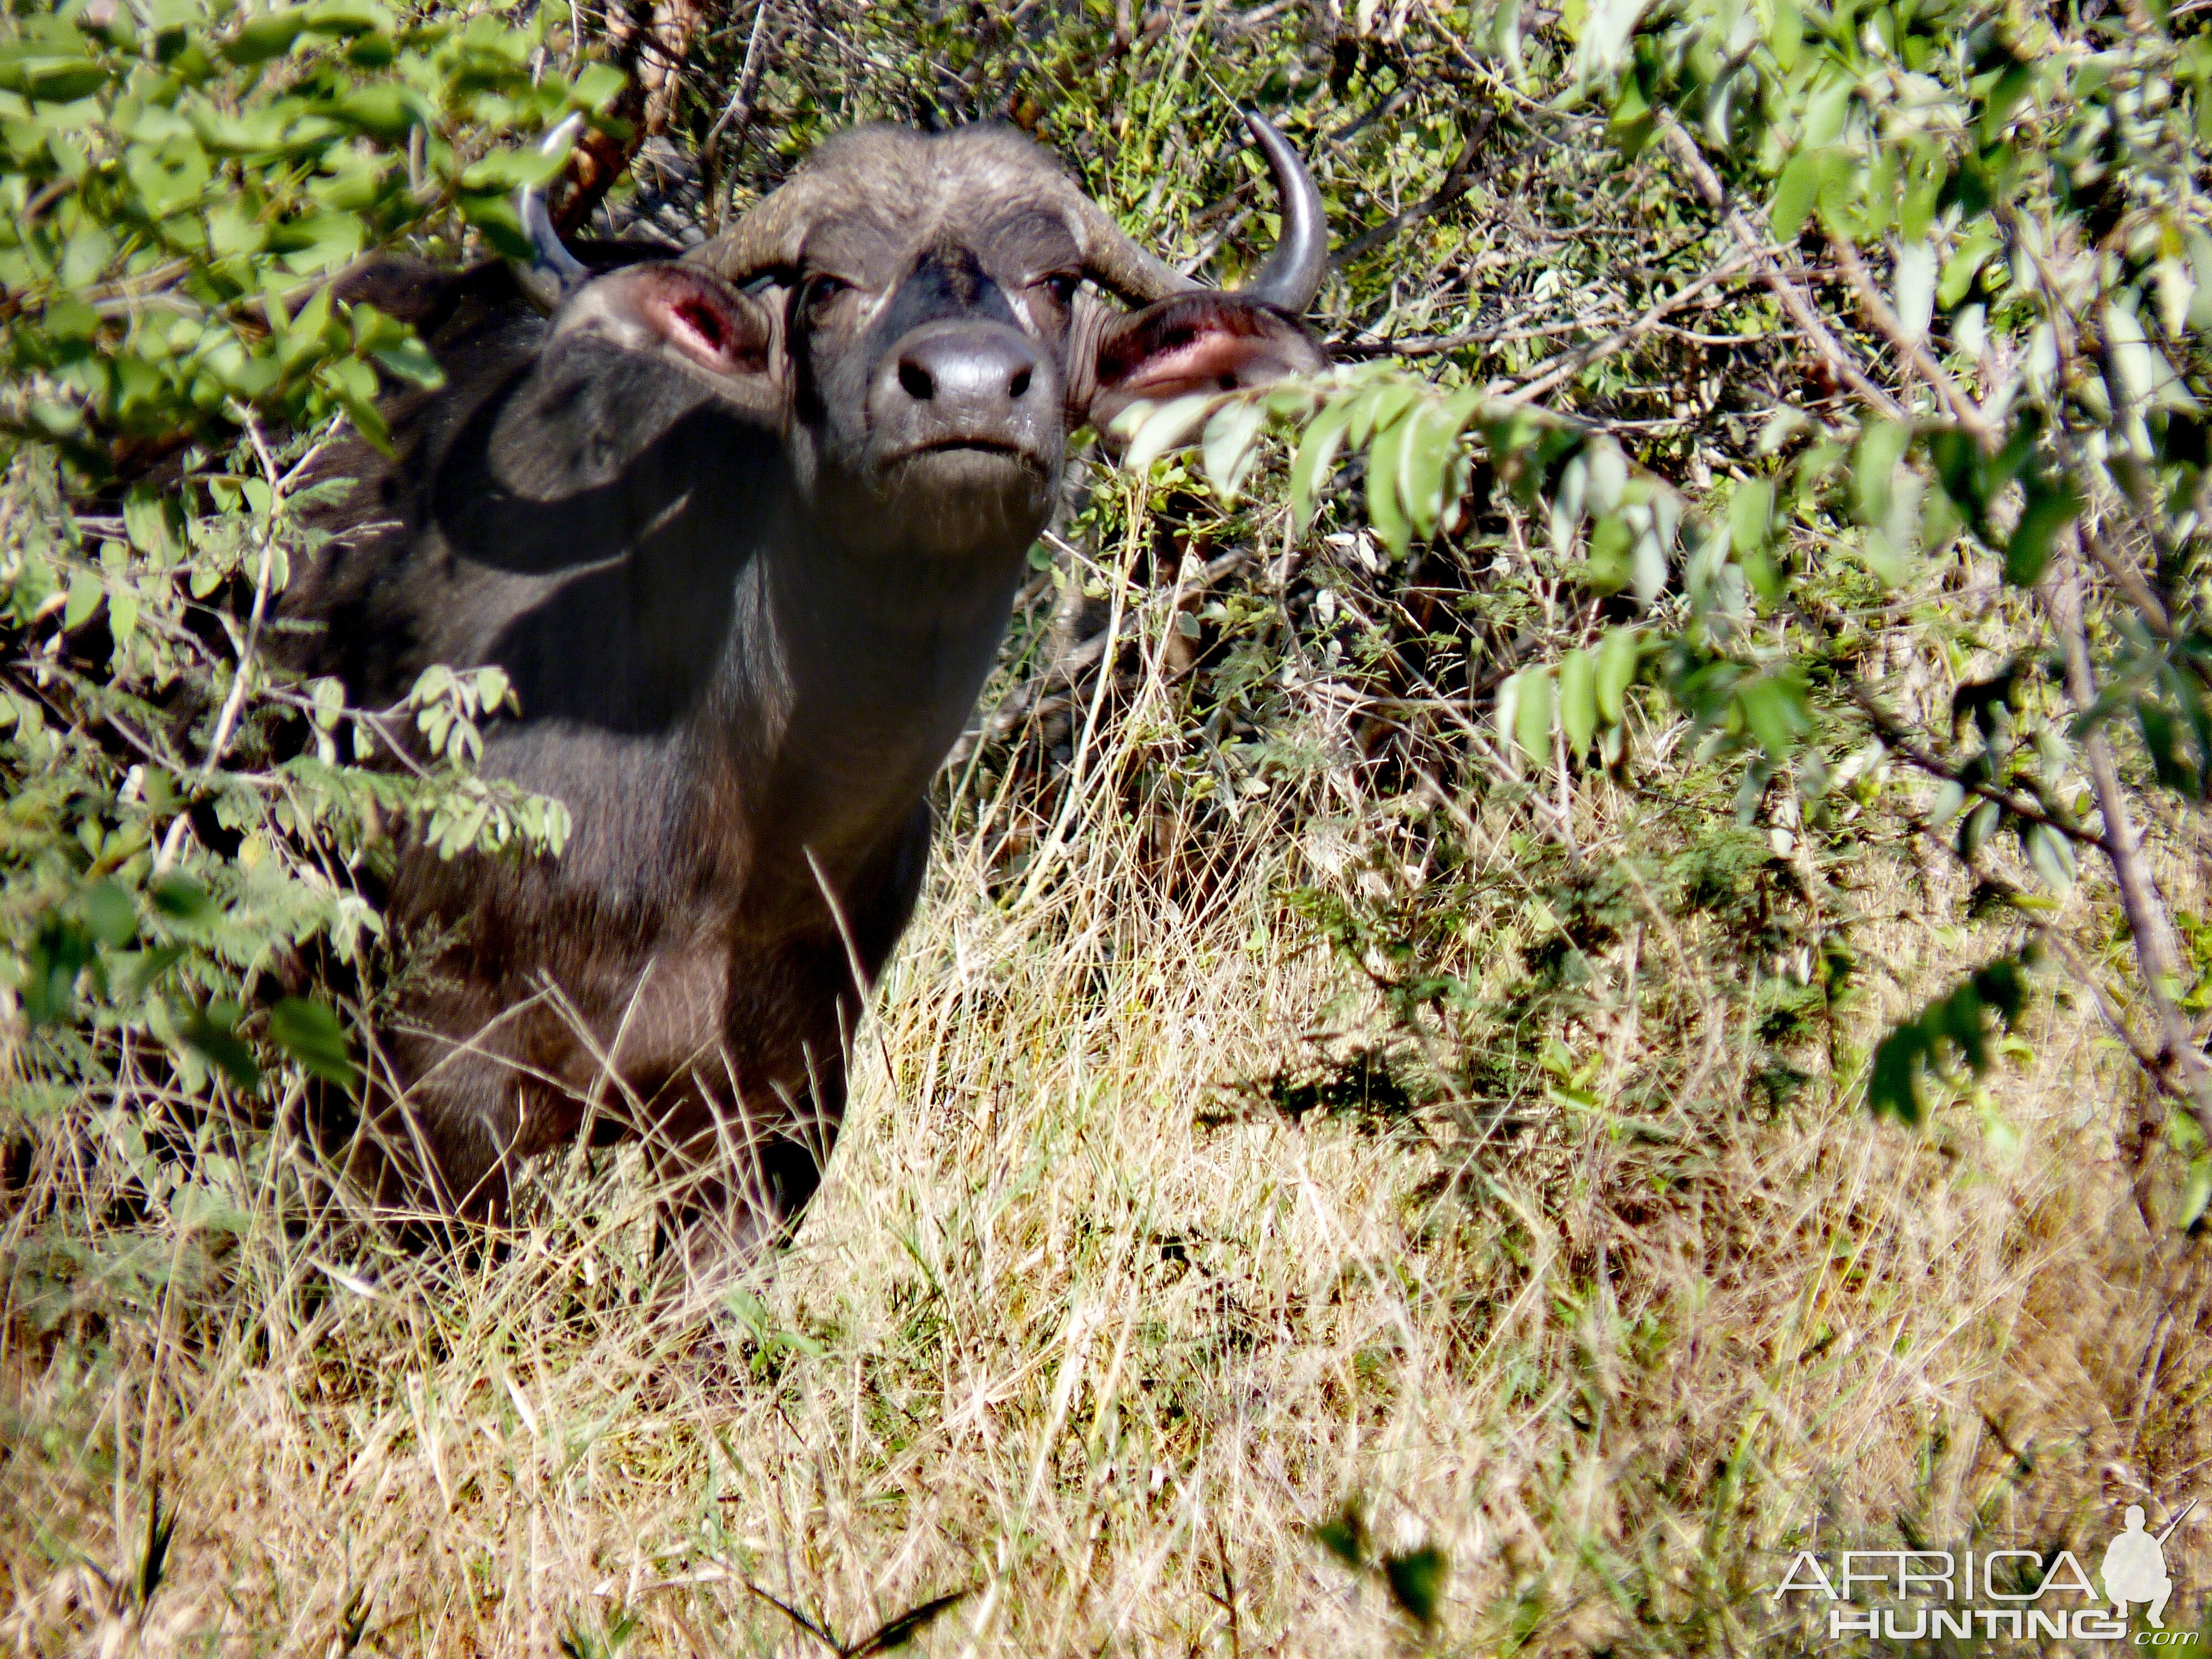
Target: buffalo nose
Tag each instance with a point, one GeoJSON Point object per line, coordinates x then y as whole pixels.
{"type": "Point", "coordinates": [980, 369]}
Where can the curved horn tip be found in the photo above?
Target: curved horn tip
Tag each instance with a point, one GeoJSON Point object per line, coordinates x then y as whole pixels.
{"type": "Point", "coordinates": [1293, 272]}
{"type": "Point", "coordinates": [553, 272]}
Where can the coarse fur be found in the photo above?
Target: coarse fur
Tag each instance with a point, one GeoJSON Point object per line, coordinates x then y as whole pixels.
{"type": "Point", "coordinates": [746, 555]}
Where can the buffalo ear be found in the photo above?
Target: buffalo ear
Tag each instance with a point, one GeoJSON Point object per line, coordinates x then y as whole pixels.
{"type": "Point", "coordinates": [681, 312]}
{"type": "Point", "coordinates": [1199, 342]}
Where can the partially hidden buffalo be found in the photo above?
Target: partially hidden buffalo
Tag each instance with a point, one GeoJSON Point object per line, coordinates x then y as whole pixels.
{"type": "Point", "coordinates": [744, 529]}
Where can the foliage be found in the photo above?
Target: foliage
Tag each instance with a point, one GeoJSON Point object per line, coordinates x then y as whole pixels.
{"type": "Point", "coordinates": [2012, 295]}
{"type": "Point", "coordinates": [1414, 1578]}
{"type": "Point", "coordinates": [187, 830]}
{"type": "Point", "coordinates": [183, 176]}
{"type": "Point", "coordinates": [1961, 1022]}
{"type": "Point", "coordinates": [1587, 658]}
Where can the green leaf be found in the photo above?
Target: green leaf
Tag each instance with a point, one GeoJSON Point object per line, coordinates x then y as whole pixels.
{"type": "Point", "coordinates": [269, 36]}
{"type": "Point", "coordinates": [1232, 445]}
{"type": "Point", "coordinates": [1916, 288]}
{"type": "Point", "coordinates": [1893, 1081]}
{"type": "Point", "coordinates": [1606, 472]}
{"type": "Point", "coordinates": [1161, 429]}
{"type": "Point", "coordinates": [1960, 270]}
{"type": "Point", "coordinates": [1961, 1020]}
{"type": "Point", "coordinates": [186, 901]}
{"type": "Point", "coordinates": [146, 521]}
{"type": "Point", "coordinates": [1751, 514]}
{"type": "Point", "coordinates": [1578, 701]}
{"type": "Point", "coordinates": [1316, 458]}
{"type": "Point", "coordinates": [2048, 511]}
{"type": "Point", "coordinates": [1875, 462]}
{"type": "Point", "coordinates": [2011, 86]}
{"type": "Point", "coordinates": [210, 1031]}
{"type": "Point", "coordinates": [1607, 568]}
{"type": "Point", "coordinates": [385, 110]}
{"type": "Point", "coordinates": [1375, 408]}
{"type": "Point", "coordinates": [1980, 824]}
{"type": "Point", "coordinates": [596, 87]}
{"type": "Point", "coordinates": [1795, 192]}
{"type": "Point", "coordinates": [1417, 1583]}
{"type": "Point", "coordinates": [1776, 711]}
{"type": "Point", "coordinates": [109, 912]}
{"type": "Point", "coordinates": [2196, 1193]}
{"type": "Point", "coordinates": [1429, 447]}
{"type": "Point", "coordinates": [507, 169]}
{"type": "Point", "coordinates": [411, 360]}
{"type": "Point", "coordinates": [311, 1034]}
{"type": "Point", "coordinates": [1346, 1538]}
{"type": "Point", "coordinates": [2052, 855]}
{"type": "Point", "coordinates": [64, 83]}
{"type": "Point", "coordinates": [1617, 660]}
{"type": "Point", "coordinates": [85, 593]}
{"type": "Point", "coordinates": [1385, 510]}
{"type": "Point", "coordinates": [1650, 575]}
{"type": "Point", "coordinates": [1532, 719]}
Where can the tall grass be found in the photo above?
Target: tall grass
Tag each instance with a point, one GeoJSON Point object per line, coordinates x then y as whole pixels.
{"type": "Point", "coordinates": [1099, 1316]}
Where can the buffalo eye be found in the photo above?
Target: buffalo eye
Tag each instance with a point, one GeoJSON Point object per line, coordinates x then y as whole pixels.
{"type": "Point", "coordinates": [1061, 285]}
{"type": "Point", "coordinates": [818, 294]}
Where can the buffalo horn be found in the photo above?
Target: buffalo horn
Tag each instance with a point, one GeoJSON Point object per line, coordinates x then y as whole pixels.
{"type": "Point", "coordinates": [1289, 278]}
{"type": "Point", "coordinates": [771, 235]}
{"type": "Point", "coordinates": [553, 273]}
{"type": "Point", "coordinates": [1294, 270]}
{"type": "Point", "coordinates": [768, 237]}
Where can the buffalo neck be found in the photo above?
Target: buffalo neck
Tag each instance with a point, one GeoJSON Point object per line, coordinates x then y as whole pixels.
{"type": "Point", "coordinates": [850, 674]}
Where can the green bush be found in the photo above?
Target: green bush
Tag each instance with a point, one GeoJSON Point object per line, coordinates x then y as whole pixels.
{"type": "Point", "coordinates": [186, 830]}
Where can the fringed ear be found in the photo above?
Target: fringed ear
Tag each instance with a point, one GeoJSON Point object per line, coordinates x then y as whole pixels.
{"type": "Point", "coordinates": [1201, 342]}
{"type": "Point", "coordinates": [684, 313]}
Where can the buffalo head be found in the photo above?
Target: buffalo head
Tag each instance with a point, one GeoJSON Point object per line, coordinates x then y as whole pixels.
{"type": "Point", "coordinates": [912, 311]}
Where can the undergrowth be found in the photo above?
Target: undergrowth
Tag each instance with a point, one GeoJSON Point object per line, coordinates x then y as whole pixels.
{"type": "Point", "coordinates": [1340, 1164]}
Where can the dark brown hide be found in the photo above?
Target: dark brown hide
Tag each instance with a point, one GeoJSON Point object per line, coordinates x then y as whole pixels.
{"type": "Point", "coordinates": [746, 555]}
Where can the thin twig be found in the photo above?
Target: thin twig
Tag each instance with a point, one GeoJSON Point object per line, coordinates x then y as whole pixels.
{"type": "Point", "coordinates": [1570, 362]}
{"type": "Point", "coordinates": [2132, 586]}
{"type": "Point", "coordinates": [1961, 407]}
{"type": "Point", "coordinates": [1793, 300]}
{"type": "Point", "coordinates": [739, 114]}
{"type": "Point", "coordinates": [1899, 741]}
{"type": "Point", "coordinates": [226, 723]}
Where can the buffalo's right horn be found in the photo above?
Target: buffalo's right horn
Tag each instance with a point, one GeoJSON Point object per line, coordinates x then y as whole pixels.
{"type": "Point", "coordinates": [553, 273]}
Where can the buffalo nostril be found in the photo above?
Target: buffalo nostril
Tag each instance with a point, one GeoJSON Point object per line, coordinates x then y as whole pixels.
{"type": "Point", "coordinates": [917, 381]}
{"type": "Point", "coordinates": [1019, 385]}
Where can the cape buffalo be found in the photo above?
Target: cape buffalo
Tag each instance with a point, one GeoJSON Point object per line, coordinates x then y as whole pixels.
{"type": "Point", "coordinates": [744, 529]}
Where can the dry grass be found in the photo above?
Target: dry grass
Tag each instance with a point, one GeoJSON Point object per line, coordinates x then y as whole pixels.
{"type": "Point", "coordinates": [1072, 1330]}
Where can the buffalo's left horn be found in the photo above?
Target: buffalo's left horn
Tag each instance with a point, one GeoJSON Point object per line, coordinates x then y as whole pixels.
{"type": "Point", "coordinates": [553, 273]}
{"type": "Point", "coordinates": [1289, 278]}
{"type": "Point", "coordinates": [1293, 273]}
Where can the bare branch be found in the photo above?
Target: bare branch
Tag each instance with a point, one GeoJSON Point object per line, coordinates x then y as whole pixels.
{"type": "Point", "coordinates": [2181, 1065]}
{"type": "Point", "coordinates": [1794, 301]}
{"type": "Point", "coordinates": [1961, 407]}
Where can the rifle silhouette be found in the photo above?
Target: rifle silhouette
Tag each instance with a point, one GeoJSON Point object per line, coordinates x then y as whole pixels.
{"type": "Point", "coordinates": [2176, 1521]}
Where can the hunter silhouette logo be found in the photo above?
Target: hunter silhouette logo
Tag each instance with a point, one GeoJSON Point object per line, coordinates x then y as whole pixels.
{"type": "Point", "coordinates": [2012, 1594]}
{"type": "Point", "coordinates": [2134, 1566]}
